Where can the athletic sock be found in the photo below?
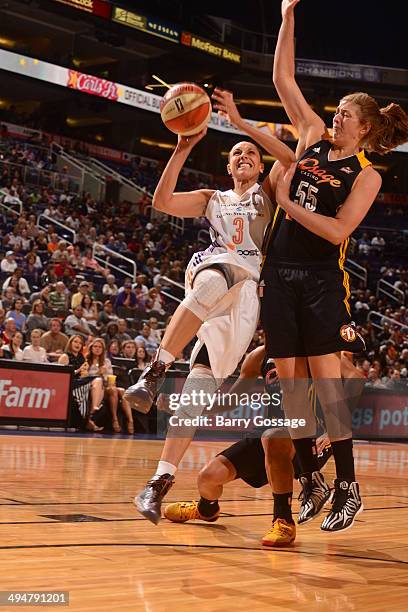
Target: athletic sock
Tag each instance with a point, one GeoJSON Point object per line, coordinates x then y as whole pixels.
{"type": "Point", "coordinates": [164, 356]}
{"type": "Point", "coordinates": [164, 467]}
{"type": "Point", "coordinates": [282, 506]}
{"type": "Point", "coordinates": [344, 460]}
{"type": "Point", "coordinates": [307, 454]}
{"type": "Point", "coordinates": [208, 507]}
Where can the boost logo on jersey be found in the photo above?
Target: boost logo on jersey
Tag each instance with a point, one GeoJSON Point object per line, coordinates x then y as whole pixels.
{"type": "Point", "coordinates": [248, 252]}
{"type": "Point", "coordinates": [348, 333]}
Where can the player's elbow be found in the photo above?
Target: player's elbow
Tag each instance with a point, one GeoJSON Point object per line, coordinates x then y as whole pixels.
{"type": "Point", "coordinates": [159, 203]}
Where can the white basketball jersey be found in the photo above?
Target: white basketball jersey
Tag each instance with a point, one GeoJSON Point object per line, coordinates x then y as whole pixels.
{"type": "Point", "coordinates": [237, 227]}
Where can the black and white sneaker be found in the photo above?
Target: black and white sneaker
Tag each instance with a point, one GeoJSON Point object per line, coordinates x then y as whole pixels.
{"type": "Point", "coordinates": [315, 493]}
{"type": "Point", "coordinates": [149, 501]}
{"type": "Point", "coordinates": [346, 506]}
{"type": "Point", "coordinates": [141, 395]}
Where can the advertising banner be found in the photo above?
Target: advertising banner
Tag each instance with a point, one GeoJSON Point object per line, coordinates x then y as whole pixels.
{"type": "Point", "coordinates": [33, 392]}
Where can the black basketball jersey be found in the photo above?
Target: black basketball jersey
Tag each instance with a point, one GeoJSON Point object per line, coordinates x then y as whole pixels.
{"type": "Point", "coordinates": [321, 186]}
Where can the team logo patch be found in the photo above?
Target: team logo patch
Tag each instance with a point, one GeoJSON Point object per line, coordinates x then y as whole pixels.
{"type": "Point", "coordinates": [348, 333]}
{"type": "Point", "coordinates": [316, 149]}
{"type": "Point", "coordinates": [347, 169]}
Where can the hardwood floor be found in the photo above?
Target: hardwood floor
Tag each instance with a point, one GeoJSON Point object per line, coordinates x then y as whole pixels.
{"type": "Point", "coordinates": [67, 523]}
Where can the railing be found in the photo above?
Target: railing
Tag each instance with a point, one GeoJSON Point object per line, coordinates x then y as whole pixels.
{"type": "Point", "coordinates": [98, 248]}
{"type": "Point", "coordinates": [170, 296]}
{"type": "Point", "coordinates": [177, 223]}
{"type": "Point", "coordinates": [90, 181]}
{"type": "Point", "coordinates": [356, 270]}
{"type": "Point", "coordinates": [8, 207]}
{"type": "Point", "coordinates": [44, 178]}
{"type": "Point", "coordinates": [129, 190]}
{"type": "Point", "coordinates": [390, 291]}
{"type": "Point", "coordinates": [373, 315]}
{"type": "Point", "coordinates": [59, 225]}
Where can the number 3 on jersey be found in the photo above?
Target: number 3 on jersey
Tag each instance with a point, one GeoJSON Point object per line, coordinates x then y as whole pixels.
{"type": "Point", "coordinates": [238, 223]}
{"type": "Point", "coordinates": [305, 196]}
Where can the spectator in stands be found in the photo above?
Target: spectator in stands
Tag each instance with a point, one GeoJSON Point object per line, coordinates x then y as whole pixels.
{"type": "Point", "coordinates": [8, 263]}
{"type": "Point", "coordinates": [377, 244]}
{"type": "Point", "coordinates": [143, 338]}
{"type": "Point", "coordinates": [17, 314]}
{"type": "Point", "coordinates": [155, 333]}
{"type": "Point", "coordinates": [63, 269]}
{"type": "Point", "coordinates": [90, 312]}
{"type": "Point", "coordinates": [34, 352]}
{"type": "Point", "coordinates": [43, 295]}
{"type": "Point", "coordinates": [76, 324]}
{"type": "Point", "coordinates": [141, 358]}
{"type": "Point", "coordinates": [13, 349]}
{"type": "Point", "coordinates": [127, 297]}
{"type": "Point", "coordinates": [111, 333]}
{"type": "Point", "coordinates": [58, 299]}
{"type": "Point", "coordinates": [75, 257]}
{"type": "Point", "coordinates": [9, 330]}
{"type": "Point", "coordinates": [52, 245]}
{"type": "Point", "coordinates": [128, 349]}
{"type": "Point", "coordinates": [374, 380]}
{"type": "Point", "coordinates": [100, 366]}
{"type": "Point", "coordinates": [112, 348]}
{"type": "Point", "coordinates": [122, 334]}
{"type": "Point", "coordinates": [26, 243]}
{"type": "Point", "coordinates": [110, 288]}
{"type": "Point", "coordinates": [73, 356]}
{"type": "Point", "coordinates": [107, 315]}
{"type": "Point", "coordinates": [31, 268]}
{"type": "Point", "coordinates": [37, 318]}
{"type": "Point", "coordinates": [60, 252]}
{"type": "Point", "coordinates": [54, 341]}
{"type": "Point", "coordinates": [18, 282]}
{"type": "Point", "coordinates": [7, 298]}
{"type": "Point", "coordinates": [2, 319]}
{"type": "Point", "coordinates": [364, 245]}
{"type": "Point", "coordinates": [155, 301]}
{"type": "Point", "coordinates": [141, 281]}
{"type": "Point", "coordinates": [83, 289]}
{"type": "Point", "coordinates": [89, 263]}
{"type": "Point", "coordinates": [49, 276]}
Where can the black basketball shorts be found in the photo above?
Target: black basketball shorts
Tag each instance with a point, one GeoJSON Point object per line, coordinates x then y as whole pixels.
{"type": "Point", "coordinates": [305, 312]}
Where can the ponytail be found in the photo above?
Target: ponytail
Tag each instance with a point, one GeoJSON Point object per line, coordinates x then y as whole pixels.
{"type": "Point", "coordinates": [389, 125]}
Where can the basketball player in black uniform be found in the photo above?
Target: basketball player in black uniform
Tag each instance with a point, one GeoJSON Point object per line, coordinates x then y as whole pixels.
{"type": "Point", "coordinates": [305, 308]}
{"type": "Point", "coordinates": [256, 461]}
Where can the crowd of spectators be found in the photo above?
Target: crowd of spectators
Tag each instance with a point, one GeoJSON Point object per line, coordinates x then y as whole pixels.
{"type": "Point", "coordinates": [53, 287]}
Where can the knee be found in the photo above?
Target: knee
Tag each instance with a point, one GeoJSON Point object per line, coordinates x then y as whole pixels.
{"type": "Point", "coordinates": [278, 450]}
{"type": "Point", "coordinates": [215, 473]}
{"type": "Point", "coordinates": [209, 288]}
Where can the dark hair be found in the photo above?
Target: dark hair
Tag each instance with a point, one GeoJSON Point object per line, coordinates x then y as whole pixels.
{"type": "Point", "coordinates": [389, 125]}
{"type": "Point", "coordinates": [249, 142]}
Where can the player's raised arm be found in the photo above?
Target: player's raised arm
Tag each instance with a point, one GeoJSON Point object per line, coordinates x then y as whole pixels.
{"type": "Point", "coordinates": [227, 108]}
{"type": "Point", "coordinates": [306, 121]}
{"type": "Point", "coordinates": [181, 204]}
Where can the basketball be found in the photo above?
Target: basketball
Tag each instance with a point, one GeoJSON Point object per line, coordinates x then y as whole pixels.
{"type": "Point", "coordinates": [185, 109]}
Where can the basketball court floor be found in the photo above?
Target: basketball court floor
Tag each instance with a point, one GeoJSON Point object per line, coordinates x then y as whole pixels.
{"type": "Point", "coordinates": [67, 524]}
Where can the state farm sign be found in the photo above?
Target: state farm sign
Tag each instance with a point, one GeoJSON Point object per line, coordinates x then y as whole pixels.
{"type": "Point", "coordinates": [31, 394]}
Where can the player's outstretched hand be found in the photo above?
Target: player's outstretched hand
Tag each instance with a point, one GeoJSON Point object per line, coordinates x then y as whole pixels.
{"type": "Point", "coordinates": [288, 7]}
{"type": "Point", "coordinates": [188, 142]}
{"type": "Point", "coordinates": [226, 106]}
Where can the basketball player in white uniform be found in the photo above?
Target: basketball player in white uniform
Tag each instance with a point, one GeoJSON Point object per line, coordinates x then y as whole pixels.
{"type": "Point", "coordinates": [221, 303]}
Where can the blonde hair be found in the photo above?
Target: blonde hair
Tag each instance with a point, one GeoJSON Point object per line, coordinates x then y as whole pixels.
{"type": "Point", "coordinates": [388, 125]}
